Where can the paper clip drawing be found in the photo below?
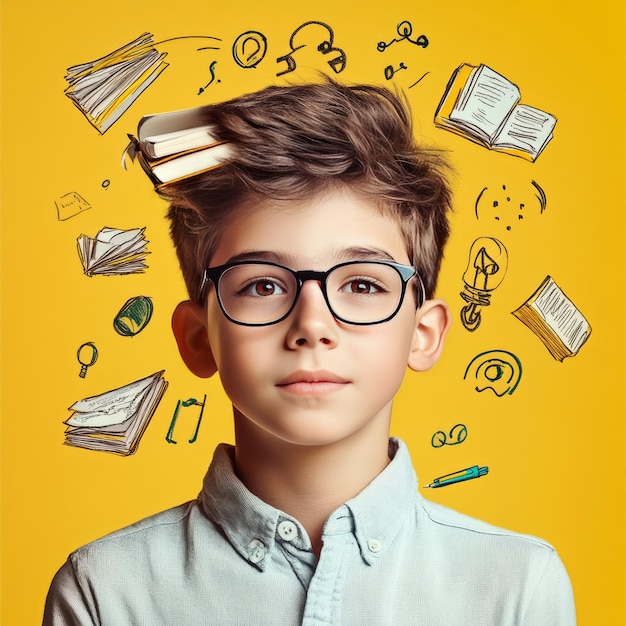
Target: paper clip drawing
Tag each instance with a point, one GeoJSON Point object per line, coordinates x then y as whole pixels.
{"type": "Point", "coordinates": [249, 49]}
{"type": "Point", "coordinates": [184, 404]}
{"type": "Point", "coordinates": [554, 318]}
{"type": "Point", "coordinates": [69, 205]}
{"type": "Point", "coordinates": [113, 252]}
{"type": "Point", "coordinates": [486, 268]}
{"type": "Point", "coordinates": [457, 435]}
{"type": "Point", "coordinates": [483, 106]}
{"type": "Point", "coordinates": [104, 89]}
{"type": "Point", "coordinates": [497, 370]}
{"type": "Point", "coordinates": [134, 316]}
{"type": "Point", "coordinates": [499, 205]}
{"type": "Point", "coordinates": [459, 477]}
{"type": "Point", "coordinates": [87, 355]}
{"type": "Point", "coordinates": [337, 63]}
{"type": "Point", "coordinates": [115, 420]}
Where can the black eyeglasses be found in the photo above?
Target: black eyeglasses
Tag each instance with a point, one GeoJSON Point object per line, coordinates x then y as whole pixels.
{"type": "Point", "coordinates": [260, 293]}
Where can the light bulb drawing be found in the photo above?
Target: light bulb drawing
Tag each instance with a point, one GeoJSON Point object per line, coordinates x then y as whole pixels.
{"type": "Point", "coordinates": [486, 268]}
{"type": "Point", "coordinates": [87, 355]}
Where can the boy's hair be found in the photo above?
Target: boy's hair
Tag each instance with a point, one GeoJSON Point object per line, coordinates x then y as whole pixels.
{"type": "Point", "coordinates": [293, 142]}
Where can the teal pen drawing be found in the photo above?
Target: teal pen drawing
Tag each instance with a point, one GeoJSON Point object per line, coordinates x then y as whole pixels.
{"type": "Point", "coordinates": [460, 476]}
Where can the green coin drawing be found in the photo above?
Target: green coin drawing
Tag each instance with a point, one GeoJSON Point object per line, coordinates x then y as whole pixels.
{"type": "Point", "coordinates": [134, 316]}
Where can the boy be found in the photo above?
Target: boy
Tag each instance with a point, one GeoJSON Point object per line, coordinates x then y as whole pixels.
{"type": "Point", "coordinates": [311, 257]}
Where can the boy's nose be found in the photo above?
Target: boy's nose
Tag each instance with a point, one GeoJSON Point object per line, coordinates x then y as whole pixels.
{"type": "Point", "coordinates": [311, 322]}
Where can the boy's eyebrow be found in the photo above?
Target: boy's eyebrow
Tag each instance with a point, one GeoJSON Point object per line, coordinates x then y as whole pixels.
{"type": "Point", "coordinates": [355, 253]}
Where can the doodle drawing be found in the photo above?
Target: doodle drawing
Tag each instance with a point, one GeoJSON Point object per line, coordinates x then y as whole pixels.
{"type": "Point", "coordinates": [554, 318]}
{"type": "Point", "coordinates": [486, 268]}
{"type": "Point", "coordinates": [499, 205]}
{"type": "Point", "coordinates": [212, 72]}
{"type": "Point", "coordinates": [184, 404]}
{"type": "Point", "coordinates": [115, 420]}
{"type": "Point", "coordinates": [457, 435]}
{"type": "Point", "coordinates": [404, 30]}
{"type": "Point", "coordinates": [104, 89]}
{"type": "Point", "coordinates": [86, 361]}
{"type": "Point", "coordinates": [497, 370]}
{"type": "Point", "coordinates": [134, 316]}
{"type": "Point", "coordinates": [113, 252]}
{"type": "Point", "coordinates": [70, 205]}
{"type": "Point", "coordinates": [483, 106]}
{"type": "Point", "coordinates": [459, 477]}
{"type": "Point", "coordinates": [337, 63]}
{"type": "Point", "coordinates": [249, 49]}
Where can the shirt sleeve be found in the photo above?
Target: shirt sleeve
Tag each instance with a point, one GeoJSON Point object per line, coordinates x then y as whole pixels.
{"type": "Point", "coordinates": [552, 601]}
{"type": "Point", "coordinates": [67, 604]}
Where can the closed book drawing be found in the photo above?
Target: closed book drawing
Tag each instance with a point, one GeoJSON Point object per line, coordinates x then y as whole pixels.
{"type": "Point", "coordinates": [554, 318]}
{"type": "Point", "coordinates": [484, 106]}
{"type": "Point", "coordinates": [115, 420]}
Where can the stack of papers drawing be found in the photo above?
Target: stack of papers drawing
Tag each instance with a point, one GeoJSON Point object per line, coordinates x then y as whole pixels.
{"type": "Point", "coordinates": [105, 88]}
{"type": "Point", "coordinates": [115, 421]}
{"type": "Point", "coordinates": [113, 251]}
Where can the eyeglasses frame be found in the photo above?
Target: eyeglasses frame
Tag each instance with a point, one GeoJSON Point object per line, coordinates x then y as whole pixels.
{"type": "Point", "coordinates": [406, 272]}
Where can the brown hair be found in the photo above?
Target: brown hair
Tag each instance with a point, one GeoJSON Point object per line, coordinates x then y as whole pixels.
{"type": "Point", "coordinates": [292, 142]}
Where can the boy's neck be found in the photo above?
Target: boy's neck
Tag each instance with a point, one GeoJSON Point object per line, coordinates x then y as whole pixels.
{"type": "Point", "coordinates": [309, 482]}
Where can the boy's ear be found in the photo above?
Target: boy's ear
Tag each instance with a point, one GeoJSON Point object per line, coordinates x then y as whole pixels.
{"type": "Point", "coordinates": [189, 326]}
{"type": "Point", "coordinates": [432, 322]}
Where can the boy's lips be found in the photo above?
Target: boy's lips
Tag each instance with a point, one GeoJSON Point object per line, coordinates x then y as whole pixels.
{"type": "Point", "coordinates": [317, 382]}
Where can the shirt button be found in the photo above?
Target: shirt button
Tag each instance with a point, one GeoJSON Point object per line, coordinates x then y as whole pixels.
{"type": "Point", "coordinates": [287, 530]}
{"type": "Point", "coordinates": [374, 545]}
{"type": "Point", "coordinates": [256, 551]}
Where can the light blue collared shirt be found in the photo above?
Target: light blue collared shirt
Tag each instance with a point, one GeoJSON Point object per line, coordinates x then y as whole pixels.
{"type": "Point", "coordinates": [389, 557]}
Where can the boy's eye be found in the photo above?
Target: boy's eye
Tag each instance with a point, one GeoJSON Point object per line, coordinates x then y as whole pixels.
{"type": "Point", "coordinates": [262, 287]}
{"type": "Point", "coordinates": [361, 286]}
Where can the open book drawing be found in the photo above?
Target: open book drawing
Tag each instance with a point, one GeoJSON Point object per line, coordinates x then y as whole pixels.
{"type": "Point", "coordinates": [554, 318]}
{"type": "Point", "coordinates": [484, 106]}
{"type": "Point", "coordinates": [105, 88]}
{"type": "Point", "coordinates": [115, 421]}
{"type": "Point", "coordinates": [113, 252]}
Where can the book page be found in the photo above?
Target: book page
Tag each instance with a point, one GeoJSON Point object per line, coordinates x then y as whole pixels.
{"type": "Point", "coordinates": [560, 313]}
{"type": "Point", "coordinates": [527, 129]}
{"type": "Point", "coordinates": [485, 102]}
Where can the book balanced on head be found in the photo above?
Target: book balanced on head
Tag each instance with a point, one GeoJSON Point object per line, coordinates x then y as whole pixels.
{"type": "Point", "coordinates": [483, 106]}
{"type": "Point", "coordinates": [176, 145]}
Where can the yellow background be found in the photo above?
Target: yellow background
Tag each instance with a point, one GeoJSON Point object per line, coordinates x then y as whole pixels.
{"type": "Point", "coordinates": [555, 448]}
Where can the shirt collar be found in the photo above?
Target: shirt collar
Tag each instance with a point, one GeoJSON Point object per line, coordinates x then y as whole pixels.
{"type": "Point", "coordinates": [252, 526]}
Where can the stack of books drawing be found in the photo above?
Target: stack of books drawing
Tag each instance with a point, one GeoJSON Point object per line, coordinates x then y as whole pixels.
{"type": "Point", "coordinates": [555, 319]}
{"type": "Point", "coordinates": [113, 252]}
{"type": "Point", "coordinates": [484, 106]}
{"type": "Point", "coordinates": [173, 146]}
{"type": "Point", "coordinates": [105, 88]}
{"type": "Point", "coordinates": [115, 421]}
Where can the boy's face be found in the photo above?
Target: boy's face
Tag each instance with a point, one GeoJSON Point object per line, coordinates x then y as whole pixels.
{"type": "Point", "coordinates": [310, 379]}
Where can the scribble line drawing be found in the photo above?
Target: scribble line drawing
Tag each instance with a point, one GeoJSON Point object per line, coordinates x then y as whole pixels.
{"type": "Point", "coordinates": [555, 319]}
{"type": "Point", "coordinates": [486, 268]}
{"type": "Point", "coordinates": [249, 49]}
{"type": "Point", "coordinates": [404, 30]}
{"type": "Point", "coordinates": [185, 403]}
{"type": "Point", "coordinates": [212, 72]}
{"type": "Point", "coordinates": [337, 64]}
{"type": "Point", "coordinates": [419, 80]}
{"type": "Point", "coordinates": [497, 370]}
{"type": "Point", "coordinates": [113, 252]}
{"type": "Point", "coordinates": [115, 421]}
{"type": "Point", "coordinates": [483, 106]}
{"type": "Point", "coordinates": [390, 71]}
{"type": "Point", "coordinates": [86, 363]}
{"type": "Point", "coordinates": [456, 436]}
